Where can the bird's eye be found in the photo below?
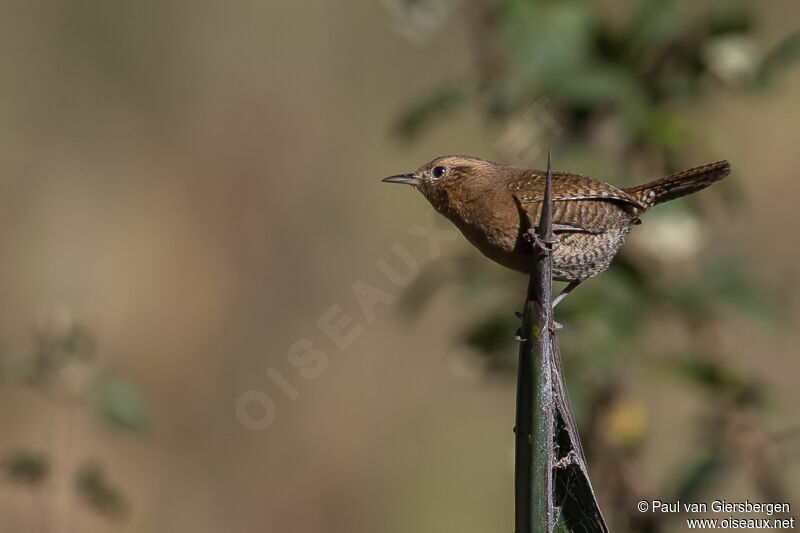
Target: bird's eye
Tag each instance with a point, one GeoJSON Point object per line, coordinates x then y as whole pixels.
{"type": "Point", "coordinates": [438, 172]}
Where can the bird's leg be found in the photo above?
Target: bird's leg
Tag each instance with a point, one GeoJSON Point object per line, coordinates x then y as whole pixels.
{"type": "Point", "coordinates": [563, 294]}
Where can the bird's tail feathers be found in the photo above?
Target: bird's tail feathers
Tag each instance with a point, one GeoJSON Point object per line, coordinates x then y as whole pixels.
{"type": "Point", "coordinates": [679, 184]}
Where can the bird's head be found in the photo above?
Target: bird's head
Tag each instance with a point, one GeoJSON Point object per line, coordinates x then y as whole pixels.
{"type": "Point", "coordinates": [448, 179]}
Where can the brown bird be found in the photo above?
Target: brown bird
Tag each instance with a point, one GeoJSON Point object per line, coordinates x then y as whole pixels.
{"type": "Point", "coordinates": [494, 206]}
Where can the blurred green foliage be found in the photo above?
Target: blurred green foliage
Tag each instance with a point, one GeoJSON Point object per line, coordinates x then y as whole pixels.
{"type": "Point", "coordinates": [95, 489]}
{"type": "Point", "coordinates": [615, 92]}
{"type": "Point", "coordinates": [594, 68]}
{"type": "Point", "coordinates": [62, 367]}
{"type": "Point", "coordinates": [25, 466]}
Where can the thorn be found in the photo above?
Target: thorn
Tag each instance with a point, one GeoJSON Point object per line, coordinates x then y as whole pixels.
{"type": "Point", "coordinates": [518, 336]}
{"type": "Point", "coordinates": [549, 149]}
{"type": "Point", "coordinates": [519, 314]}
{"type": "Point", "coordinates": [557, 326]}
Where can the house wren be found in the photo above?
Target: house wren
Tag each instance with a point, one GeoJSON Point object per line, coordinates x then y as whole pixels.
{"type": "Point", "coordinates": [495, 205]}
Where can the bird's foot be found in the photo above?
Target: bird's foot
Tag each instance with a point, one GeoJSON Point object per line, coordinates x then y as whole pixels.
{"type": "Point", "coordinates": [532, 238]}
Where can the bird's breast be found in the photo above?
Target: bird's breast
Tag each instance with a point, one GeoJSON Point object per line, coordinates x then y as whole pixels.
{"type": "Point", "coordinates": [491, 226]}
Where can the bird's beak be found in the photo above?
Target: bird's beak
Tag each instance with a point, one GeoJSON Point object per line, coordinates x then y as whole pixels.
{"type": "Point", "coordinates": [408, 179]}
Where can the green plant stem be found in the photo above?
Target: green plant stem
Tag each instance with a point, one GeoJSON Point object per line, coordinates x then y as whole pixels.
{"type": "Point", "coordinates": [535, 408]}
{"type": "Point", "coordinates": [551, 482]}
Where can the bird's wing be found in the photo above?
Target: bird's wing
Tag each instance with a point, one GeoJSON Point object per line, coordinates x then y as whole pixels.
{"type": "Point", "coordinates": [568, 217]}
{"type": "Point", "coordinates": [529, 188]}
{"type": "Point", "coordinates": [574, 196]}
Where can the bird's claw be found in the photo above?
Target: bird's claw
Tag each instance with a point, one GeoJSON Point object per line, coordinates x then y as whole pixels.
{"type": "Point", "coordinates": [533, 238]}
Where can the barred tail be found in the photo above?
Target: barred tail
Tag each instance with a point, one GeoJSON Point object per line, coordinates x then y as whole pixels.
{"type": "Point", "coordinates": [679, 184]}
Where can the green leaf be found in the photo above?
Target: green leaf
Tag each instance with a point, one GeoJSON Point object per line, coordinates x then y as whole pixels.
{"type": "Point", "coordinates": [121, 404]}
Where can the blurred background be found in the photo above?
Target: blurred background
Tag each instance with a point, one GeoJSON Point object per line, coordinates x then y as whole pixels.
{"type": "Point", "coordinates": [214, 317]}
